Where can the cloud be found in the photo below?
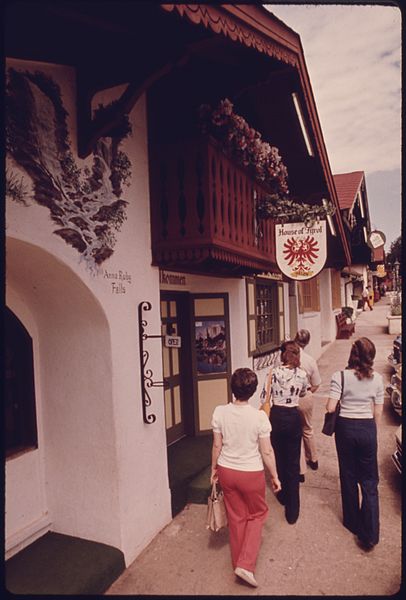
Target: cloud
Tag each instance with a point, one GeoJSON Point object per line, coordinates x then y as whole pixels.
{"type": "Point", "coordinates": [353, 57]}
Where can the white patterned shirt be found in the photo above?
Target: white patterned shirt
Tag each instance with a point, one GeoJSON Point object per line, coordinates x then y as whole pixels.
{"type": "Point", "coordinates": [287, 385]}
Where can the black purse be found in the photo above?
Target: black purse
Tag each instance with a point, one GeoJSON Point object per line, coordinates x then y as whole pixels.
{"type": "Point", "coordinates": [330, 418]}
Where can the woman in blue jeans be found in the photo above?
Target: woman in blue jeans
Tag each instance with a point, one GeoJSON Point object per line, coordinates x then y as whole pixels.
{"type": "Point", "coordinates": [356, 440]}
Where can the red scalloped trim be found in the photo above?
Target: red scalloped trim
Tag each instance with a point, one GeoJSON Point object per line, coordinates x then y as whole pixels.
{"type": "Point", "coordinates": [218, 22]}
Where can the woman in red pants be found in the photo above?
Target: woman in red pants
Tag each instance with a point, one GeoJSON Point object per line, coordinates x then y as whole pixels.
{"type": "Point", "coordinates": [241, 447]}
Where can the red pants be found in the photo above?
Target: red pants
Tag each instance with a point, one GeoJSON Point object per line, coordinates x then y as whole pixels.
{"type": "Point", "coordinates": [244, 497]}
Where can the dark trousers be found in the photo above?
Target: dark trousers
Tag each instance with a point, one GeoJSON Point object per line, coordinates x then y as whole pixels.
{"type": "Point", "coordinates": [357, 447]}
{"type": "Point", "coordinates": [286, 437]}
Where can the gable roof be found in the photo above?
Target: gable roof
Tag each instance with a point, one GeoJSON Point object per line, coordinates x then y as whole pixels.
{"type": "Point", "coordinates": [347, 186]}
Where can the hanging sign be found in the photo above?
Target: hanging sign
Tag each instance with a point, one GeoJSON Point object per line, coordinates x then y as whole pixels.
{"type": "Point", "coordinates": [380, 271]}
{"type": "Point", "coordinates": [301, 251]}
{"type": "Point", "coordinates": [376, 239]}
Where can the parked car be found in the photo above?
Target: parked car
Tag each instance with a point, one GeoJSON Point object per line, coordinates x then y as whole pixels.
{"type": "Point", "coordinates": [395, 358]}
{"type": "Point", "coordinates": [394, 390]}
{"type": "Point", "coordinates": [397, 455]}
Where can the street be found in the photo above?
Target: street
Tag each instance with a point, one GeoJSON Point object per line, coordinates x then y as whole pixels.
{"type": "Point", "coordinates": [317, 555]}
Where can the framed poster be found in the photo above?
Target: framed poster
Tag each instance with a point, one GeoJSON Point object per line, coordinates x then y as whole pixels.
{"type": "Point", "coordinates": [211, 346]}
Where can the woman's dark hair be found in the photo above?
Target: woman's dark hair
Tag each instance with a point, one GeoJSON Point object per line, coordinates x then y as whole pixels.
{"type": "Point", "coordinates": [290, 354]}
{"type": "Point", "coordinates": [244, 382]}
{"type": "Point", "coordinates": [362, 358]}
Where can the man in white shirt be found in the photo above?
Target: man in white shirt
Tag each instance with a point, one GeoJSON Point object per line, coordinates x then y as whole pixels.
{"type": "Point", "coordinates": [366, 299]}
{"type": "Point", "coordinates": [308, 364]}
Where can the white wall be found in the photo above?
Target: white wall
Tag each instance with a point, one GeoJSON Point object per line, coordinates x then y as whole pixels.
{"type": "Point", "coordinates": [328, 331]}
{"type": "Point", "coordinates": [106, 469]}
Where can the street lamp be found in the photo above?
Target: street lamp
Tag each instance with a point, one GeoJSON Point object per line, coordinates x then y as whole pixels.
{"type": "Point", "coordinates": [396, 265]}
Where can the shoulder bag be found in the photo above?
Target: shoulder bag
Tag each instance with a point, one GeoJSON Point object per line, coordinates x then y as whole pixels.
{"type": "Point", "coordinates": [330, 418]}
{"type": "Point", "coordinates": [266, 406]}
{"type": "Point", "coordinates": [216, 510]}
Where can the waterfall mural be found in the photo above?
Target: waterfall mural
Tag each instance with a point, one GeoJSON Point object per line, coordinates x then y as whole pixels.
{"type": "Point", "coordinates": [86, 204]}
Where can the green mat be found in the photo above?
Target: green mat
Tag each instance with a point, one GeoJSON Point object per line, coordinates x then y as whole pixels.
{"type": "Point", "coordinates": [61, 564]}
{"type": "Point", "coordinates": [187, 459]}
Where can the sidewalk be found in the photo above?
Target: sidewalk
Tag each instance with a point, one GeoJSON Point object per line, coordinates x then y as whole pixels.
{"type": "Point", "coordinates": [317, 555]}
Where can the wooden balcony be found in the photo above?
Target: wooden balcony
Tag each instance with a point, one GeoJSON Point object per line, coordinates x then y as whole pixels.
{"type": "Point", "coordinates": [203, 216]}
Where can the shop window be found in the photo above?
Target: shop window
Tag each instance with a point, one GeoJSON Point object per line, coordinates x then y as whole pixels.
{"type": "Point", "coordinates": [19, 404]}
{"type": "Point", "coordinates": [265, 315]}
{"type": "Point", "coordinates": [309, 295]}
{"type": "Point", "coordinates": [336, 289]}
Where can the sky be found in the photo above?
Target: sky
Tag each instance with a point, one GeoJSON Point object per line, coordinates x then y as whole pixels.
{"type": "Point", "coordinates": [353, 55]}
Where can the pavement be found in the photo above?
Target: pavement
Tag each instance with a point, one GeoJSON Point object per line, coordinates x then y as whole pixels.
{"type": "Point", "coordinates": [316, 556]}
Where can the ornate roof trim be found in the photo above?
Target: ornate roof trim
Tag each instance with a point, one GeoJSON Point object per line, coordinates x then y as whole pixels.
{"type": "Point", "coordinates": [214, 17]}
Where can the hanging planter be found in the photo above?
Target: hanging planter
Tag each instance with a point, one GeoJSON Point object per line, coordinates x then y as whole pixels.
{"type": "Point", "coordinates": [244, 145]}
{"type": "Point", "coordinates": [284, 210]}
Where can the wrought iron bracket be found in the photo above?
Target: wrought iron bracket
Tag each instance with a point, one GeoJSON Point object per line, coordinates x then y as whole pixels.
{"type": "Point", "coordinates": [146, 374]}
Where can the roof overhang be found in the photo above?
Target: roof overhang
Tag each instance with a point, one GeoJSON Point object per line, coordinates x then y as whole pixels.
{"type": "Point", "coordinates": [351, 273]}
{"type": "Point", "coordinates": [256, 27]}
{"type": "Point", "coordinates": [76, 34]}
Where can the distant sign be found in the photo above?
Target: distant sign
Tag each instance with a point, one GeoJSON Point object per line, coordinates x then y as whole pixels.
{"type": "Point", "coordinates": [301, 251]}
{"type": "Point", "coordinates": [376, 239]}
{"type": "Point", "coordinates": [380, 271]}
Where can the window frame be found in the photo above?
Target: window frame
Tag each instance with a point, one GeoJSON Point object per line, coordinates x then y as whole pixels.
{"type": "Point", "coordinates": [313, 305]}
{"type": "Point", "coordinates": [253, 316]}
{"type": "Point", "coordinates": [335, 289]}
{"type": "Point", "coordinates": [21, 431]}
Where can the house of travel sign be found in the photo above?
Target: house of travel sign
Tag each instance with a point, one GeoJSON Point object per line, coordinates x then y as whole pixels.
{"type": "Point", "coordinates": [301, 251]}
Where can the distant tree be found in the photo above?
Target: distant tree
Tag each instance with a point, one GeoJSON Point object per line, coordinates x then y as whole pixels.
{"type": "Point", "coordinates": [395, 252]}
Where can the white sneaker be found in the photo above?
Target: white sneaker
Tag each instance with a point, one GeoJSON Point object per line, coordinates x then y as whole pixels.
{"type": "Point", "coordinates": [246, 575]}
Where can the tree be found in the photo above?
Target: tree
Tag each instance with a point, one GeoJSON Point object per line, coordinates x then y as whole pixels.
{"type": "Point", "coordinates": [395, 252]}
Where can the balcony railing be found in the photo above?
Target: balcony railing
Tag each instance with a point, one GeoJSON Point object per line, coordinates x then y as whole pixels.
{"type": "Point", "coordinates": [203, 211]}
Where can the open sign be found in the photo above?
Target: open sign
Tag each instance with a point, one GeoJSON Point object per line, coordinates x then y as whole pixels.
{"type": "Point", "coordinates": [173, 341]}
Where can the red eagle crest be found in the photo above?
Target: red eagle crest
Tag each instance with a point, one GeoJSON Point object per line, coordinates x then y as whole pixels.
{"type": "Point", "coordinates": [301, 251]}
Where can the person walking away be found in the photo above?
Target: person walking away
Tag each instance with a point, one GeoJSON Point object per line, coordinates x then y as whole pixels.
{"type": "Point", "coordinates": [288, 382]}
{"type": "Point", "coordinates": [366, 298]}
{"type": "Point", "coordinates": [308, 454]}
{"type": "Point", "coordinates": [241, 447]}
{"type": "Point", "coordinates": [361, 407]}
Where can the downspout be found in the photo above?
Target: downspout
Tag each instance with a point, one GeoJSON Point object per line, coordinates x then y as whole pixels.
{"type": "Point", "coordinates": [345, 287]}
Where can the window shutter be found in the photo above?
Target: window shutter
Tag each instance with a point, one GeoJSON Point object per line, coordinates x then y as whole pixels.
{"type": "Point", "coordinates": [251, 316]}
{"type": "Point", "coordinates": [317, 294]}
{"type": "Point", "coordinates": [281, 312]}
{"type": "Point", "coordinates": [300, 296]}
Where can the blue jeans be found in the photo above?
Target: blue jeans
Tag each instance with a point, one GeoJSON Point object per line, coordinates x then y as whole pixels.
{"type": "Point", "coordinates": [356, 443]}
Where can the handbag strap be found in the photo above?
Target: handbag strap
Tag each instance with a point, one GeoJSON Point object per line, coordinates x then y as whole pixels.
{"type": "Point", "coordinates": [214, 491]}
{"type": "Point", "coordinates": [268, 387]}
{"type": "Point", "coordinates": [342, 391]}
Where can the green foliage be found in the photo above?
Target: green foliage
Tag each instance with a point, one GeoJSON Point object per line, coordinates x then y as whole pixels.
{"type": "Point", "coordinates": [284, 210]}
{"type": "Point", "coordinates": [395, 252]}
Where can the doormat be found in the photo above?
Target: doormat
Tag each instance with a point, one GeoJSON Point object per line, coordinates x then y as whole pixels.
{"type": "Point", "coordinates": [187, 458]}
{"type": "Point", "coordinates": [62, 564]}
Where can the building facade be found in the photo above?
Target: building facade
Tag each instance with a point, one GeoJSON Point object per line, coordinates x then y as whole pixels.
{"type": "Point", "coordinates": [139, 275]}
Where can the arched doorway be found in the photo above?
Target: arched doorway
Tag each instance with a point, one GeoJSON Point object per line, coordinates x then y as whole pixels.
{"type": "Point", "coordinates": [66, 482]}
